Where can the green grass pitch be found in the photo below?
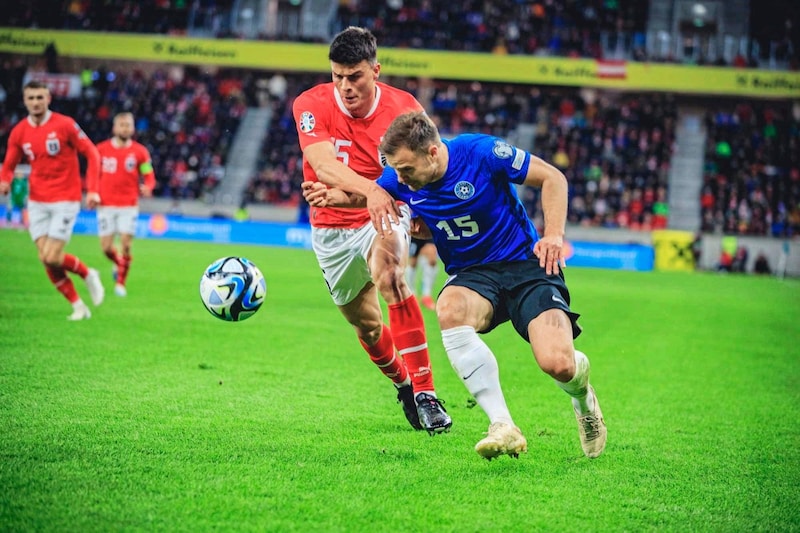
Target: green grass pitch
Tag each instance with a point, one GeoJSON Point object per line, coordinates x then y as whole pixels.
{"type": "Point", "coordinates": [155, 416]}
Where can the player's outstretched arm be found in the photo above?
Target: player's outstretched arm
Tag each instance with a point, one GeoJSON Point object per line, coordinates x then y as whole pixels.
{"type": "Point", "coordinates": [550, 247]}
{"type": "Point", "coordinates": [332, 172]}
{"type": "Point", "coordinates": [319, 195]}
{"type": "Point", "coordinates": [92, 155]}
{"type": "Point", "coordinates": [12, 159]}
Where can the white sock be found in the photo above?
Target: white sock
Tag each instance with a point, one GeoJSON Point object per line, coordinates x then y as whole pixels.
{"type": "Point", "coordinates": [476, 365]}
{"type": "Point", "coordinates": [407, 381]}
{"type": "Point", "coordinates": [578, 386]}
{"type": "Point", "coordinates": [429, 273]}
{"type": "Point", "coordinates": [411, 278]}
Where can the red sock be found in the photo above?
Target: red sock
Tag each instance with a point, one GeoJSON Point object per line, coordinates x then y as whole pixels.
{"type": "Point", "coordinates": [75, 265]}
{"type": "Point", "coordinates": [123, 266]}
{"type": "Point", "coordinates": [382, 354]}
{"type": "Point", "coordinates": [112, 254]}
{"type": "Point", "coordinates": [408, 330]}
{"type": "Point", "coordinates": [62, 283]}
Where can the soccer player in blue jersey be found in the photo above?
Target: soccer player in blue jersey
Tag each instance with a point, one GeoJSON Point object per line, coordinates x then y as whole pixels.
{"type": "Point", "coordinates": [463, 190]}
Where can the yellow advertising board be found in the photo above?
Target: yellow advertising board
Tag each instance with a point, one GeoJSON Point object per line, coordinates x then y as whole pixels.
{"type": "Point", "coordinates": [306, 57]}
{"type": "Point", "coordinates": [673, 250]}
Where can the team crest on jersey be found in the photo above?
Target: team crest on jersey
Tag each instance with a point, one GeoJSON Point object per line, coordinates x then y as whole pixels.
{"type": "Point", "coordinates": [130, 163]}
{"type": "Point", "coordinates": [464, 190]}
{"type": "Point", "coordinates": [307, 121]}
{"type": "Point", "coordinates": [502, 149]}
{"type": "Point", "coordinates": [52, 144]}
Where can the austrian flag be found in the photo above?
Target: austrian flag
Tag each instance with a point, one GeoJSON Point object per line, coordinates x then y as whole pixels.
{"type": "Point", "coordinates": [611, 69]}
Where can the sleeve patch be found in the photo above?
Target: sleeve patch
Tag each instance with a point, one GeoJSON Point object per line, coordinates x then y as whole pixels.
{"type": "Point", "coordinates": [519, 159]}
{"type": "Point", "coordinates": [502, 150]}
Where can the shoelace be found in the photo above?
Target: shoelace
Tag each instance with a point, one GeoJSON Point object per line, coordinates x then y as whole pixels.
{"type": "Point", "coordinates": [591, 426]}
{"type": "Point", "coordinates": [429, 402]}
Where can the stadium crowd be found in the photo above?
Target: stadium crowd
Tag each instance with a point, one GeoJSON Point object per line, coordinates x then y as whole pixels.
{"type": "Point", "coordinates": [614, 148]}
{"type": "Point", "coordinates": [616, 154]}
{"type": "Point", "coordinates": [186, 118]}
{"type": "Point", "coordinates": [751, 182]}
{"type": "Point", "coordinates": [571, 28]}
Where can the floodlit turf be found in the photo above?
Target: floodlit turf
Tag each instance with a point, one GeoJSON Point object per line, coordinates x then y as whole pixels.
{"type": "Point", "coordinates": [155, 416]}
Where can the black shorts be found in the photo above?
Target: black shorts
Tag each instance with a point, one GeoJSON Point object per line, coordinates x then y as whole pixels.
{"type": "Point", "coordinates": [415, 246]}
{"type": "Point", "coordinates": [519, 291]}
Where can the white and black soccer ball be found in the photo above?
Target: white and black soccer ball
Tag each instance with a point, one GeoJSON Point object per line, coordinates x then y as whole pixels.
{"type": "Point", "coordinates": [232, 288]}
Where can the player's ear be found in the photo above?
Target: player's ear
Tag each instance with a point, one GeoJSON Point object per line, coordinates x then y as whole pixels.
{"type": "Point", "coordinates": [376, 70]}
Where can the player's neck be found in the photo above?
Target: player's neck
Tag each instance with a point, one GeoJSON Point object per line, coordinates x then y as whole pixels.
{"type": "Point", "coordinates": [444, 160]}
{"type": "Point", "coordinates": [38, 120]}
{"type": "Point", "coordinates": [119, 143]}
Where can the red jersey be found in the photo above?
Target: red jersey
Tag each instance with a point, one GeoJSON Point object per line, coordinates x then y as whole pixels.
{"type": "Point", "coordinates": [51, 149]}
{"type": "Point", "coordinates": [121, 169]}
{"type": "Point", "coordinates": [320, 115]}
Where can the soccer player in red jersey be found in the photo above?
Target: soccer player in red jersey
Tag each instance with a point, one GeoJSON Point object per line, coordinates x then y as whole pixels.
{"type": "Point", "coordinates": [340, 125]}
{"type": "Point", "coordinates": [126, 172]}
{"type": "Point", "coordinates": [51, 142]}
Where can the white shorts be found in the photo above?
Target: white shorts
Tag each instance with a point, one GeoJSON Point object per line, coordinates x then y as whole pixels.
{"type": "Point", "coordinates": [53, 219]}
{"type": "Point", "coordinates": [342, 256]}
{"type": "Point", "coordinates": [113, 219]}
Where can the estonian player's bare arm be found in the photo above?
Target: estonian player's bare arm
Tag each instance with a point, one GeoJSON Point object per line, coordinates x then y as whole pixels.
{"type": "Point", "coordinates": [550, 247]}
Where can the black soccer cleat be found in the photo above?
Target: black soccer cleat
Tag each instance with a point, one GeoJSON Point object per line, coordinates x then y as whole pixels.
{"type": "Point", "coordinates": [432, 414]}
{"type": "Point", "coordinates": [405, 396]}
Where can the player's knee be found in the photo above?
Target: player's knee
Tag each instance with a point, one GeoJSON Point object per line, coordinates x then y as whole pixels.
{"type": "Point", "coordinates": [391, 283]}
{"type": "Point", "coordinates": [369, 333]}
{"type": "Point", "coordinates": [558, 361]}
{"type": "Point", "coordinates": [451, 313]}
{"type": "Point", "coordinates": [50, 260]}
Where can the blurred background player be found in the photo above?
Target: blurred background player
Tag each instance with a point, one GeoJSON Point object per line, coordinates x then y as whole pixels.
{"type": "Point", "coordinates": [126, 172]}
{"type": "Point", "coordinates": [17, 207]}
{"type": "Point", "coordinates": [51, 142]}
{"type": "Point", "coordinates": [339, 125]}
{"type": "Point", "coordinates": [428, 269]}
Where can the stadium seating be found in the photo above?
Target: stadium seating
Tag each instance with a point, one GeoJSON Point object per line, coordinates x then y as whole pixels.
{"type": "Point", "coordinates": [752, 174]}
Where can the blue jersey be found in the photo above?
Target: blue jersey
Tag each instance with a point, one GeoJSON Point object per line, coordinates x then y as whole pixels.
{"type": "Point", "coordinates": [474, 212]}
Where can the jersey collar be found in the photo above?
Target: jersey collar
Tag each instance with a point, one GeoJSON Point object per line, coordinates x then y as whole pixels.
{"type": "Point", "coordinates": [47, 116]}
{"type": "Point", "coordinates": [344, 110]}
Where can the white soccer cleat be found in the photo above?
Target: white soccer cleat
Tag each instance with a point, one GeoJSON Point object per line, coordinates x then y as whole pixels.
{"type": "Point", "coordinates": [502, 439]}
{"type": "Point", "coordinates": [120, 290]}
{"type": "Point", "coordinates": [592, 429]}
{"type": "Point", "coordinates": [80, 311]}
{"type": "Point", "coordinates": [95, 286]}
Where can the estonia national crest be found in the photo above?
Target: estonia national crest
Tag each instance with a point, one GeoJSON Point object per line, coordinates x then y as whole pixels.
{"type": "Point", "coordinates": [464, 190]}
{"type": "Point", "coordinates": [307, 121]}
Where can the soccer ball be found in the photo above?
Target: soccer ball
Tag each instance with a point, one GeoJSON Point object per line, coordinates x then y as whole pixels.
{"type": "Point", "coordinates": [232, 288]}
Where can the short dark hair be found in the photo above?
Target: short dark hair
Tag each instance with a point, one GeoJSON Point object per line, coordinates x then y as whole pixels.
{"type": "Point", "coordinates": [353, 45]}
{"type": "Point", "coordinates": [414, 131]}
{"type": "Point", "coordinates": [36, 84]}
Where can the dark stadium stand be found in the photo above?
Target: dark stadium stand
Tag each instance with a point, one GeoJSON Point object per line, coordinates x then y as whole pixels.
{"type": "Point", "coordinates": [751, 183]}
{"type": "Point", "coordinates": [615, 148]}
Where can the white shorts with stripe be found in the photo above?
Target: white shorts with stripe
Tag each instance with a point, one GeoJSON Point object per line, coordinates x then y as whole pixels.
{"type": "Point", "coordinates": [53, 219]}
{"type": "Point", "coordinates": [114, 219]}
{"type": "Point", "coordinates": [342, 256]}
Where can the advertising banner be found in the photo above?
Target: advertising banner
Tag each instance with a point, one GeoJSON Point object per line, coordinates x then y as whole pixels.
{"type": "Point", "coordinates": [674, 250]}
{"type": "Point", "coordinates": [305, 57]}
